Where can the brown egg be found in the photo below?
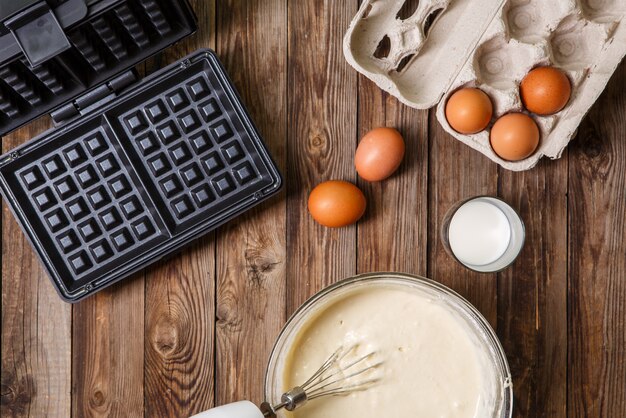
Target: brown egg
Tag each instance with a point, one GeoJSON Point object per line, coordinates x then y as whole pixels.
{"type": "Point", "coordinates": [379, 154]}
{"type": "Point", "coordinates": [336, 203]}
{"type": "Point", "coordinates": [545, 90]}
{"type": "Point", "coordinates": [469, 110]}
{"type": "Point", "coordinates": [514, 136]}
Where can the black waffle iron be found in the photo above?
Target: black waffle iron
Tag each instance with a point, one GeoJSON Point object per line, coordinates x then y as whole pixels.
{"type": "Point", "coordinates": [133, 170]}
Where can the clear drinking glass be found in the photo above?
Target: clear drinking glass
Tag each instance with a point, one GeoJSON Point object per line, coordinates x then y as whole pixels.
{"type": "Point", "coordinates": [516, 240]}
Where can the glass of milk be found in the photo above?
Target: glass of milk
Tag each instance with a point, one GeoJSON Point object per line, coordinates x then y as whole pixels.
{"type": "Point", "coordinates": [483, 233]}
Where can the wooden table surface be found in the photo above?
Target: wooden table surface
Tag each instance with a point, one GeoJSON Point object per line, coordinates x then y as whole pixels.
{"type": "Point", "coordinates": [196, 330]}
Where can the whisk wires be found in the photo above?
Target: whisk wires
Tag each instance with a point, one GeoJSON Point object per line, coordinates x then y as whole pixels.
{"type": "Point", "coordinates": [336, 376]}
{"type": "Point", "coordinates": [329, 378]}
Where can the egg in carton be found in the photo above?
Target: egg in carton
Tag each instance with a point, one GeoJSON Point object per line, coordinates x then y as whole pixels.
{"type": "Point", "coordinates": [422, 52]}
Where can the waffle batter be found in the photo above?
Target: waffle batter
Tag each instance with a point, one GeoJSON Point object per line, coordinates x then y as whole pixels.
{"type": "Point", "coordinates": [433, 363]}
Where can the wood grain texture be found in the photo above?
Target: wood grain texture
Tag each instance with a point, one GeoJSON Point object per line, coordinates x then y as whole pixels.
{"type": "Point", "coordinates": [322, 103]}
{"type": "Point", "coordinates": [532, 294]}
{"type": "Point", "coordinates": [597, 258]}
{"type": "Point", "coordinates": [180, 297]}
{"type": "Point", "coordinates": [196, 329]}
{"type": "Point", "coordinates": [393, 234]}
{"type": "Point", "coordinates": [251, 275]}
{"type": "Point", "coordinates": [179, 335]}
{"type": "Point", "coordinates": [107, 352]}
{"type": "Point", "coordinates": [457, 172]}
{"type": "Point", "coordinates": [36, 324]}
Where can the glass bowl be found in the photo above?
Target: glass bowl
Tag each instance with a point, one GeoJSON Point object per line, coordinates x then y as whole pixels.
{"type": "Point", "coordinates": [274, 386]}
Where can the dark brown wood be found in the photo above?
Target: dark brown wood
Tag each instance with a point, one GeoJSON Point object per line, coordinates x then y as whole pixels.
{"type": "Point", "coordinates": [252, 40]}
{"type": "Point", "coordinates": [36, 324]}
{"type": "Point", "coordinates": [457, 172]}
{"type": "Point", "coordinates": [322, 112]}
{"type": "Point", "coordinates": [393, 234]}
{"type": "Point", "coordinates": [180, 298]}
{"type": "Point", "coordinates": [196, 330]}
{"type": "Point", "coordinates": [532, 294]}
{"type": "Point", "coordinates": [597, 258]}
{"type": "Point", "coordinates": [397, 215]}
{"type": "Point", "coordinates": [107, 352]}
{"type": "Point", "coordinates": [179, 334]}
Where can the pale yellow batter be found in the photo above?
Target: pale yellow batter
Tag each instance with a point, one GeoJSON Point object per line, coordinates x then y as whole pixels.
{"type": "Point", "coordinates": [433, 365]}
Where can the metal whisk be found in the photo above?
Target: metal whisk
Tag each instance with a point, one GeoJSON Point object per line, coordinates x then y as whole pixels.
{"type": "Point", "coordinates": [343, 372]}
{"type": "Point", "coordinates": [334, 377]}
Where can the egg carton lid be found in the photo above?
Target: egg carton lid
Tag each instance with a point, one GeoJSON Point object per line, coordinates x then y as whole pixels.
{"type": "Point", "coordinates": [436, 53]}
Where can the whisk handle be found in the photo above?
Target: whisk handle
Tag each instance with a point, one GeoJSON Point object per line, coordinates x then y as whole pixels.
{"type": "Point", "coordinates": [242, 409]}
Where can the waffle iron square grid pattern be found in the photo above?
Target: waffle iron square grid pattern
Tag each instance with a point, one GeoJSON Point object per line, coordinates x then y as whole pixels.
{"type": "Point", "coordinates": [138, 178]}
{"type": "Point", "coordinates": [88, 204]}
{"type": "Point", "coordinates": [193, 149]}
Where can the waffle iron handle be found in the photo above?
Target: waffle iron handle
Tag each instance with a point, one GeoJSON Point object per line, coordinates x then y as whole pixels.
{"type": "Point", "coordinates": [39, 31]}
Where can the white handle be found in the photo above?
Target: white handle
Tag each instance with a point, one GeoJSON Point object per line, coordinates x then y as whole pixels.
{"type": "Point", "coordinates": [242, 409]}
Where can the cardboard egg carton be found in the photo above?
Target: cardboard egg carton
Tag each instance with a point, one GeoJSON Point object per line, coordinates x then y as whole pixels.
{"type": "Point", "coordinates": [423, 54]}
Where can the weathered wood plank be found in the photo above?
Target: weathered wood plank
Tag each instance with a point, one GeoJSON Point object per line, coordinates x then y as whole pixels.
{"type": "Point", "coordinates": [296, 69]}
{"type": "Point", "coordinates": [457, 172]}
{"type": "Point", "coordinates": [597, 258]}
{"type": "Point", "coordinates": [532, 294]}
{"type": "Point", "coordinates": [393, 235]}
{"type": "Point", "coordinates": [252, 42]}
{"type": "Point", "coordinates": [107, 352]}
{"type": "Point", "coordinates": [36, 323]}
{"type": "Point", "coordinates": [179, 335]}
{"type": "Point", "coordinates": [322, 108]}
{"type": "Point", "coordinates": [180, 297]}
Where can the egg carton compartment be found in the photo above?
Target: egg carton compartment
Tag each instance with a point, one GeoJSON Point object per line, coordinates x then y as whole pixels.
{"type": "Point", "coordinates": [106, 43]}
{"type": "Point", "coordinates": [491, 45]}
{"type": "Point", "coordinates": [137, 178]}
{"type": "Point", "coordinates": [531, 21]}
{"type": "Point", "coordinates": [603, 11]}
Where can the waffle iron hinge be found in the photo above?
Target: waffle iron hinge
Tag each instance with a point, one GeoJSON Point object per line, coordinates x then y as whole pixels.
{"type": "Point", "coordinates": [94, 98]}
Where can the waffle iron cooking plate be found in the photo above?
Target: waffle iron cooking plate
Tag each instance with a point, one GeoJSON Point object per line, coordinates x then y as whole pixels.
{"type": "Point", "coordinates": [136, 169]}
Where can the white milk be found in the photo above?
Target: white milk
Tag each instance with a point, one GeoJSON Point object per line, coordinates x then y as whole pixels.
{"type": "Point", "coordinates": [479, 233]}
